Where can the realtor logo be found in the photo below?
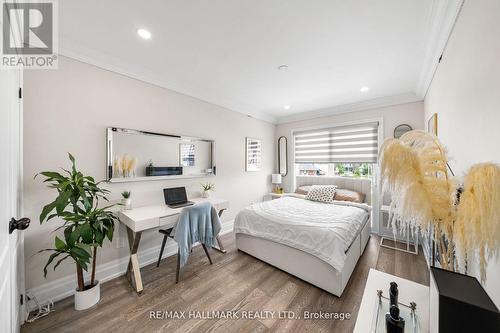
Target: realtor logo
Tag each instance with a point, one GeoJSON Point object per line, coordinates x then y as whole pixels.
{"type": "Point", "coordinates": [29, 36]}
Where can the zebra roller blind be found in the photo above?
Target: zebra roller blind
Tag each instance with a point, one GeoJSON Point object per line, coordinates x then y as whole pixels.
{"type": "Point", "coordinates": [354, 143]}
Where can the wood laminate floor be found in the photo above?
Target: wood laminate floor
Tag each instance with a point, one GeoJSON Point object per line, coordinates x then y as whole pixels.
{"type": "Point", "coordinates": [235, 281]}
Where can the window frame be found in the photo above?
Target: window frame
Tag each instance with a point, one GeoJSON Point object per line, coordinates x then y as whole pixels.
{"type": "Point", "coordinates": [380, 138]}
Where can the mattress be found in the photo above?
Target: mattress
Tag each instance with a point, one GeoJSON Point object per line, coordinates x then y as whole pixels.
{"type": "Point", "coordinates": [323, 230]}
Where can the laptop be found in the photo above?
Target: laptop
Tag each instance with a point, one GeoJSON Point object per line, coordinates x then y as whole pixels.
{"type": "Point", "coordinates": [176, 197]}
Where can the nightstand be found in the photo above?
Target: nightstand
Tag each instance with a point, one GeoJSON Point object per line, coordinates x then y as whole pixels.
{"type": "Point", "coordinates": [272, 196]}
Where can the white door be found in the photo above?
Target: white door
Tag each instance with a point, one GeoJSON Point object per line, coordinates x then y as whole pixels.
{"type": "Point", "coordinates": [11, 244]}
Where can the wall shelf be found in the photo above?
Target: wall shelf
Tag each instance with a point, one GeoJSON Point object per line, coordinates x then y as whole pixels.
{"type": "Point", "coordinates": [151, 178]}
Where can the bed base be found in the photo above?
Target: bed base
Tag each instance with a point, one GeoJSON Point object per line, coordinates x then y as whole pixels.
{"type": "Point", "coordinates": [304, 265]}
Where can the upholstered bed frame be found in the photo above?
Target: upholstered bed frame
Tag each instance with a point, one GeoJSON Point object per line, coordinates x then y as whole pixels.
{"type": "Point", "coordinates": [303, 265]}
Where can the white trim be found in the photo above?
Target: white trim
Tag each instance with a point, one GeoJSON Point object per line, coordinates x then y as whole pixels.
{"type": "Point", "coordinates": [71, 50]}
{"type": "Point", "coordinates": [64, 287]}
{"type": "Point", "coordinates": [441, 21]}
{"type": "Point", "coordinates": [117, 66]}
{"type": "Point", "coordinates": [347, 108]}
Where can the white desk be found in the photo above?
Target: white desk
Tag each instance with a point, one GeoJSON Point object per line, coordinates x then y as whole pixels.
{"type": "Point", "coordinates": [409, 291]}
{"type": "Point", "coordinates": [143, 218]}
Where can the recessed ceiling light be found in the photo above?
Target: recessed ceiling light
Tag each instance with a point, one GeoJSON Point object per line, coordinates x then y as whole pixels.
{"type": "Point", "coordinates": [364, 89]}
{"type": "Point", "coordinates": [143, 33]}
{"type": "Point", "coordinates": [286, 107]}
{"type": "Point", "coordinates": [283, 67]}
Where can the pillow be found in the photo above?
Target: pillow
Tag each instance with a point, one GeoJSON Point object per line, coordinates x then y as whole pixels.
{"type": "Point", "coordinates": [303, 189]}
{"type": "Point", "coordinates": [342, 194]}
{"type": "Point", "coordinates": [321, 193]}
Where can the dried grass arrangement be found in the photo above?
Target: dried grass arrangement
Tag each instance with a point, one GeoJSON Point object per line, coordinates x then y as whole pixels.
{"type": "Point", "coordinates": [465, 220]}
{"type": "Point", "coordinates": [124, 166]}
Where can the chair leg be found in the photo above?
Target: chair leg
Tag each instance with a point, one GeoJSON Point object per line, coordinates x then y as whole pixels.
{"type": "Point", "coordinates": [177, 274]}
{"type": "Point", "coordinates": [161, 250]}
{"type": "Point", "coordinates": [206, 252]}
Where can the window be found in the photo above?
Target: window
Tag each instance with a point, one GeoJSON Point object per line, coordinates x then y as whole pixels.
{"type": "Point", "coordinates": [187, 154]}
{"type": "Point", "coordinates": [347, 151]}
{"type": "Point", "coordinates": [358, 170]}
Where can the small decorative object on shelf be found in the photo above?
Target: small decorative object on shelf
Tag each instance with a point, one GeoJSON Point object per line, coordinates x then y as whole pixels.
{"type": "Point", "coordinates": [125, 166]}
{"type": "Point", "coordinates": [276, 180]}
{"type": "Point", "coordinates": [207, 187]}
{"type": "Point", "coordinates": [393, 322]}
{"type": "Point", "coordinates": [126, 201]}
{"type": "Point", "coordinates": [391, 316]}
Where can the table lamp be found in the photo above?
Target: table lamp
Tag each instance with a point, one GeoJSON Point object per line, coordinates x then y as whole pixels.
{"type": "Point", "coordinates": [276, 180]}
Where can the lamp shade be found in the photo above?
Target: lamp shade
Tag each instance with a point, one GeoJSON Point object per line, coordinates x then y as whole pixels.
{"type": "Point", "coordinates": [276, 178]}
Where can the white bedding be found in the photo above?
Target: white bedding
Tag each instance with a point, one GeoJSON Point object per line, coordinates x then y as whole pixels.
{"type": "Point", "coordinates": [320, 229]}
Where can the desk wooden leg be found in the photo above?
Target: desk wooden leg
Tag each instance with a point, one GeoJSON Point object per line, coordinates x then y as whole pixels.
{"type": "Point", "coordinates": [133, 270]}
{"type": "Point", "coordinates": [220, 247]}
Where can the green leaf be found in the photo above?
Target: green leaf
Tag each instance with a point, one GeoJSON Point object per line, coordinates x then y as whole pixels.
{"type": "Point", "coordinates": [60, 245]}
{"type": "Point", "coordinates": [109, 233]}
{"type": "Point", "coordinates": [46, 210]}
{"type": "Point", "coordinates": [62, 201]}
{"type": "Point", "coordinates": [71, 158]}
{"type": "Point", "coordinates": [80, 253]}
{"type": "Point", "coordinates": [51, 174]}
{"type": "Point", "coordinates": [86, 232]}
{"type": "Point", "coordinates": [99, 237]}
{"type": "Point", "coordinates": [60, 260]}
{"type": "Point", "coordinates": [73, 236]}
{"type": "Point", "coordinates": [51, 258]}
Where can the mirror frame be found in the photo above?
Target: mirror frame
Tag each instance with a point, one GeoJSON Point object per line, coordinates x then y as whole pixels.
{"type": "Point", "coordinates": [182, 138]}
{"type": "Point", "coordinates": [286, 155]}
{"type": "Point", "coordinates": [401, 126]}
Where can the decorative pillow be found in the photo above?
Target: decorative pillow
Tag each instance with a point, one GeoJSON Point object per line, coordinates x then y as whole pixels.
{"type": "Point", "coordinates": [322, 193]}
{"type": "Point", "coordinates": [342, 194]}
{"type": "Point", "coordinates": [303, 189]}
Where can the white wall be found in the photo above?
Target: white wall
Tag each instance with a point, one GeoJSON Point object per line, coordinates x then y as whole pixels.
{"type": "Point", "coordinates": [411, 114]}
{"type": "Point", "coordinates": [465, 93]}
{"type": "Point", "coordinates": [68, 109]}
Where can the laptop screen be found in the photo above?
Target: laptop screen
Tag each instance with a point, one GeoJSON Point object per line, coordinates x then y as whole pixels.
{"type": "Point", "coordinates": [175, 195]}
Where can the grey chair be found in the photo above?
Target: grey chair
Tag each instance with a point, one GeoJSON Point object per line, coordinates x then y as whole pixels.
{"type": "Point", "coordinates": [166, 234]}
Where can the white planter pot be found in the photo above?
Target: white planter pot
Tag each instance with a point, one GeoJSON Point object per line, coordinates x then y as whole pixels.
{"type": "Point", "coordinates": [88, 298]}
{"type": "Point", "coordinates": [127, 204]}
{"type": "Point", "coordinates": [205, 194]}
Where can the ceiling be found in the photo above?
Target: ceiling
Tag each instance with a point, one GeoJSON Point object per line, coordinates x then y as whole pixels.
{"type": "Point", "coordinates": [227, 52]}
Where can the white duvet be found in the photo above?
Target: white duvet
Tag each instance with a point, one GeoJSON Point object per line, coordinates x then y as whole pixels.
{"type": "Point", "coordinates": [320, 229]}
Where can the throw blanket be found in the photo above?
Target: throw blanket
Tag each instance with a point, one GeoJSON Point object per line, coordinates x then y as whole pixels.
{"type": "Point", "coordinates": [323, 230]}
{"type": "Point", "coordinates": [197, 223]}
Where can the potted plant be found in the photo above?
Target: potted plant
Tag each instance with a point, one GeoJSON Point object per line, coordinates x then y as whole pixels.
{"type": "Point", "coordinates": [86, 225]}
{"type": "Point", "coordinates": [207, 187]}
{"type": "Point", "coordinates": [126, 201]}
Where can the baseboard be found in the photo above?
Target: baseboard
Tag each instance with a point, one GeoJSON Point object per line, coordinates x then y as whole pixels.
{"type": "Point", "coordinates": [65, 287]}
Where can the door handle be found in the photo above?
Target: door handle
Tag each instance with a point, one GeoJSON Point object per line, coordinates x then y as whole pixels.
{"type": "Point", "coordinates": [20, 224]}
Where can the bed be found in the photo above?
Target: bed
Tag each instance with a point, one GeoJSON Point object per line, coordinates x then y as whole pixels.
{"type": "Point", "coordinates": [318, 242]}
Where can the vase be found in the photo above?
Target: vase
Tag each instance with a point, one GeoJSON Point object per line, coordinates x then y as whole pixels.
{"type": "Point", "coordinates": [127, 203]}
{"type": "Point", "coordinates": [87, 298]}
{"type": "Point", "coordinates": [205, 194]}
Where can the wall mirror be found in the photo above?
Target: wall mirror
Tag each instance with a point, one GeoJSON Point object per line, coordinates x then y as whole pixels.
{"type": "Point", "coordinates": [283, 156]}
{"type": "Point", "coordinates": [134, 155]}
{"type": "Point", "coordinates": [401, 129]}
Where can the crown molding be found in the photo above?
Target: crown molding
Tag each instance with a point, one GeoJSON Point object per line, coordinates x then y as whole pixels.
{"type": "Point", "coordinates": [353, 107]}
{"type": "Point", "coordinates": [101, 60]}
{"type": "Point", "coordinates": [441, 21]}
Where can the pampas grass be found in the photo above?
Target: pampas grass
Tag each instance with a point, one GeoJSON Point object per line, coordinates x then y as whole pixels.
{"type": "Point", "coordinates": [477, 224]}
{"type": "Point", "coordinates": [414, 171]}
{"type": "Point", "coordinates": [125, 166]}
